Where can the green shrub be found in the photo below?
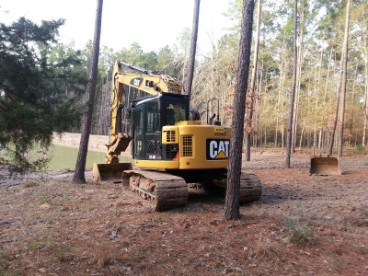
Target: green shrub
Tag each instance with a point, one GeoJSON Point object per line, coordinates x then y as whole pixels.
{"type": "Point", "coordinates": [299, 231]}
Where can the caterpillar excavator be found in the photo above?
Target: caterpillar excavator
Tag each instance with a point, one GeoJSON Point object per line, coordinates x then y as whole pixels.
{"type": "Point", "coordinates": [170, 149]}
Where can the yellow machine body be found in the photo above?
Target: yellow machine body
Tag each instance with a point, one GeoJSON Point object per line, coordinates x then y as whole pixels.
{"type": "Point", "coordinates": [200, 147]}
{"type": "Point", "coordinates": [182, 145]}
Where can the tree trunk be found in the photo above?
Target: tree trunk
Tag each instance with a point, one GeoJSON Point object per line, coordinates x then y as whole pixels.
{"type": "Point", "coordinates": [289, 133]}
{"type": "Point", "coordinates": [342, 90]}
{"type": "Point", "coordinates": [235, 159]}
{"type": "Point", "coordinates": [251, 95]}
{"type": "Point", "coordinates": [193, 48]}
{"type": "Point", "coordinates": [334, 125]}
{"type": "Point", "coordinates": [258, 140]}
{"type": "Point", "coordinates": [80, 166]}
{"type": "Point", "coordinates": [298, 78]}
{"type": "Point", "coordinates": [365, 101]}
{"type": "Point", "coordinates": [281, 89]}
{"type": "Point", "coordinates": [364, 137]}
{"type": "Point", "coordinates": [276, 130]}
{"type": "Point", "coordinates": [301, 138]}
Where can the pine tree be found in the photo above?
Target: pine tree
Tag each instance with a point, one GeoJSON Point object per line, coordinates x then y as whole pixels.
{"type": "Point", "coordinates": [236, 145]}
{"type": "Point", "coordinates": [80, 165]}
{"type": "Point", "coordinates": [37, 95]}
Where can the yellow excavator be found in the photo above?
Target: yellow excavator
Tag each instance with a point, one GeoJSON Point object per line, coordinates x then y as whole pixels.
{"type": "Point", "coordinates": [170, 146]}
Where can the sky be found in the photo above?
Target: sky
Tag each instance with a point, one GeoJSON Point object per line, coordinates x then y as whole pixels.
{"type": "Point", "coordinates": [153, 24]}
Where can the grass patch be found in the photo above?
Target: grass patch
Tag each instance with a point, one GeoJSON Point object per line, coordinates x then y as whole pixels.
{"type": "Point", "coordinates": [160, 217]}
{"type": "Point", "coordinates": [47, 243]}
{"type": "Point", "coordinates": [338, 264]}
{"type": "Point", "coordinates": [3, 257]}
{"type": "Point", "coordinates": [45, 238]}
{"type": "Point", "coordinates": [66, 196]}
{"type": "Point", "coordinates": [299, 230]}
{"type": "Point", "coordinates": [55, 250]}
{"type": "Point", "coordinates": [103, 255]}
{"type": "Point", "coordinates": [360, 249]}
{"type": "Point", "coordinates": [30, 184]}
{"type": "Point", "coordinates": [35, 246]}
{"type": "Point", "coordinates": [59, 252]}
{"type": "Point", "coordinates": [266, 248]}
{"type": "Point", "coordinates": [42, 198]}
{"type": "Point", "coordinates": [359, 147]}
{"type": "Point", "coordinates": [47, 217]}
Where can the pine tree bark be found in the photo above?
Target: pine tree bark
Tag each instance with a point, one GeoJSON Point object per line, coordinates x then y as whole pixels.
{"type": "Point", "coordinates": [236, 144]}
{"type": "Point", "coordinates": [251, 95]}
{"type": "Point", "coordinates": [193, 48]}
{"type": "Point", "coordinates": [342, 90]}
{"type": "Point", "coordinates": [300, 50]}
{"type": "Point", "coordinates": [334, 126]}
{"type": "Point", "coordinates": [289, 134]}
{"type": "Point", "coordinates": [80, 166]}
{"type": "Point", "coordinates": [365, 124]}
{"type": "Point", "coordinates": [339, 114]}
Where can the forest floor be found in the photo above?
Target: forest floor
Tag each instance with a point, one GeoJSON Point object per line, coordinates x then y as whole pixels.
{"type": "Point", "coordinates": [302, 225]}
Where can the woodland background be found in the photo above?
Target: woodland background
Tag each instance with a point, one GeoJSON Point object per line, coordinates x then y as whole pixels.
{"type": "Point", "coordinates": [319, 44]}
{"type": "Point", "coordinates": [320, 33]}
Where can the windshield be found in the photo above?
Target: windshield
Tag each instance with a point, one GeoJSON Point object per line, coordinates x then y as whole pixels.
{"type": "Point", "coordinates": [175, 112]}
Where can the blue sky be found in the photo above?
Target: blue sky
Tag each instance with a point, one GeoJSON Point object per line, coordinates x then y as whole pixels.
{"type": "Point", "coordinates": [151, 23]}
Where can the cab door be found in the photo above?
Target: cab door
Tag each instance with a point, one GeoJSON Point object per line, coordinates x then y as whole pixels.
{"type": "Point", "coordinates": [139, 132]}
{"type": "Point", "coordinates": [147, 131]}
{"type": "Point", "coordinates": [153, 131]}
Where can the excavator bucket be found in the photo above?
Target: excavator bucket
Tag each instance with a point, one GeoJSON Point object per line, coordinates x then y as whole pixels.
{"type": "Point", "coordinates": [324, 165]}
{"type": "Point", "coordinates": [109, 172]}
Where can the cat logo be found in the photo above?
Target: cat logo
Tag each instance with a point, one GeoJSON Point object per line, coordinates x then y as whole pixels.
{"type": "Point", "coordinates": [136, 81]}
{"type": "Point", "coordinates": [217, 149]}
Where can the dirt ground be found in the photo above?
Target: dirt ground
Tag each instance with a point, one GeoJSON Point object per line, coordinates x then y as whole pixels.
{"type": "Point", "coordinates": [302, 225]}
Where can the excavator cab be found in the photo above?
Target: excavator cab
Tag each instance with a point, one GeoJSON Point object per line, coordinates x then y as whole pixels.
{"type": "Point", "coordinates": [150, 116]}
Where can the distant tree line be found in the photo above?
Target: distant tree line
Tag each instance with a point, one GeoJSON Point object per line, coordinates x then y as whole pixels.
{"type": "Point", "coordinates": [321, 26]}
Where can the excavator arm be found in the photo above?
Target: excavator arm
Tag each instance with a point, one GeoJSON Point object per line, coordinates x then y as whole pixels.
{"type": "Point", "coordinates": [126, 90]}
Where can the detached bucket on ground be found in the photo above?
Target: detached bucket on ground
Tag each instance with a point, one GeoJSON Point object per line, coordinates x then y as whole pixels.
{"type": "Point", "coordinates": [324, 165]}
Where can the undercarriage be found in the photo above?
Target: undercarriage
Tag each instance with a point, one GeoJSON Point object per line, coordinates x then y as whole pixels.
{"type": "Point", "coordinates": [168, 190]}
